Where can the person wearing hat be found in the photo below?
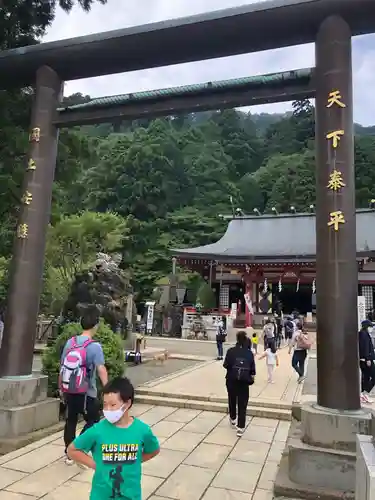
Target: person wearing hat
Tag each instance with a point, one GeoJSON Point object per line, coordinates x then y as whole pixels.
{"type": "Point", "coordinates": [366, 360]}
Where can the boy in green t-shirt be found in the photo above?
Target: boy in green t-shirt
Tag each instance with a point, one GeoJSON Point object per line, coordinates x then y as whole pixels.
{"type": "Point", "coordinates": [118, 445]}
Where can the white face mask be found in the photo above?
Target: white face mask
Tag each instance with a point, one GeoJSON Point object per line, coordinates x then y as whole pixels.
{"type": "Point", "coordinates": [370, 329]}
{"type": "Point", "coordinates": [114, 416]}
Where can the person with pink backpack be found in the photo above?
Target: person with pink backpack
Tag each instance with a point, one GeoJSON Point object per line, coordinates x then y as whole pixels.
{"type": "Point", "coordinates": [82, 360]}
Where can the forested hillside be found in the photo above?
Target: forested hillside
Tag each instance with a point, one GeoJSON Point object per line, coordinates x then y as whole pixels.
{"type": "Point", "coordinates": [165, 181]}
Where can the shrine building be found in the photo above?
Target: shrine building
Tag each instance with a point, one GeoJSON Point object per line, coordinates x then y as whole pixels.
{"type": "Point", "coordinates": [265, 263]}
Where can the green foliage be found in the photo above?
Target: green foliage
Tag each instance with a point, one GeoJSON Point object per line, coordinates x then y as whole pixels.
{"type": "Point", "coordinates": [72, 245]}
{"type": "Point", "coordinates": [4, 270]}
{"type": "Point", "coordinates": [149, 186]}
{"type": "Point", "coordinates": [206, 296]}
{"type": "Point", "coordinates": [110, 342]}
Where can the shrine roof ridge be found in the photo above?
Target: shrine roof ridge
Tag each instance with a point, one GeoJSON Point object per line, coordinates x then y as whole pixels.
{"type": "Point", "coordinates": [285, 214]}
{"type": "Point", "coordinates": [213, 87]}
{"type": "Point", "coordinates": [239, 30]}
{"type": "Point", "coordinates": [286, 235]}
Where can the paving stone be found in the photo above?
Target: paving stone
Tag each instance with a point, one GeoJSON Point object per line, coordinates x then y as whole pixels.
{"type": "Point", "coordinates": [157, 413]}
{"type": "Point", "coordinates": [183, 415]}
{"type": "Point", "coordinates": [30, 447]}
{"type": "Point", "coordinates": [8, 495]}
{"type": "Point", "coordinates": [139, 409]}
{"type": "Point", "coordinates": [204, 422]}
{"type": "Point", "coordinates": [282, 431]}
{"type": "Point", "coordinates": [276, 451]}
{"type": "Point", "coordinates": [154, 497]}
{"type": "Point", "coordinates": [207, 455]}
{"type": "Point", "coordinates": [164, 464]}
{"type": "Point", "coordinates": [268, 476]}
{"type": "Point", "coordinates": [45, 480]}
{"type": "Point", "coordinates": [259, 434]}
{"type": "Point", "coordinates": [149, 485]}
{"type": "Point", "coordinates": [250, 451]}
{"type": "Point", "coordinates": [220, 494]}
{"type": "Point", "coordinates": [70, 489]}
{"type": "Point", "coordinates": [238, 476]}
{"type": "Point", "coordinates": [183, 441]}
{"type": "Point", "coordinates": [186, 483]}
{"type": "Point", "coordinates": [7, 477]}
{"type": "Point", "coordinates": [221, 435]}
{"type": "Point", "coordinates": [265, 422]}
{"type": "Point", "coordinates": [85, 476]}
{"type": "Point", "coordinates": [166, 429]}
{"type": "Point", "coordinates": [36, 459]}
{"type": "Point", "coordinates": [262, 494]}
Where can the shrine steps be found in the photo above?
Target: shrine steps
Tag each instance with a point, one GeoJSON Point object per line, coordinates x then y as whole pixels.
{"type": "Point", "coordinates": [256, 408]}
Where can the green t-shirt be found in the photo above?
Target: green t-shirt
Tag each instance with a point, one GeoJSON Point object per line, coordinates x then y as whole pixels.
{"type": "Point", "coordinates": [117, 453]}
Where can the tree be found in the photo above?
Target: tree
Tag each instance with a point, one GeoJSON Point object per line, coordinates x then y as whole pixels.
{"type": "Point", "coordinates": [287, 180]}
{"type": "Point", "coordinates": [364, 170]}
{"type": "Point", "coordinates": [23, 22]}
{"type": "Point", "coordinates": [72, 246]}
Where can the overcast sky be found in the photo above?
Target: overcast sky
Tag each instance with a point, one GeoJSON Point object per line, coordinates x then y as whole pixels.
{"type": "Point", "coordinates": [124, 13]}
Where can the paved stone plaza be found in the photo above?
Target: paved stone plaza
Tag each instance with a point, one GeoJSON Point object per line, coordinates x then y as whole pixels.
{"type": "Point", "coordinates": [201, 458]}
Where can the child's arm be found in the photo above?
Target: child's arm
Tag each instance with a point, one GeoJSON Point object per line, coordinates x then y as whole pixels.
{"type": "Point", "coordinates": [277, 360]}
{"type": "Point", "coordinates": [263, 355]}
{"type": "Point", "coordinates": [80, 457]}
{"type": "Point", "coordinates": [82, 445]}
{"type": "Point", "coordinates": [151, 446]}
{"type": "Point", "coordinates": [148, 456]}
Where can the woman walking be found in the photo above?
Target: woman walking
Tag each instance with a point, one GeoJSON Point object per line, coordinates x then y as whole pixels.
{"type": "Point", "coordinates": [240, 365]}
{"type": "Point", "coordinates": [366, 360]}
{"type": "Point", "coordinates": [300, 344]}
{"type": "Point", "coordinates": [221, 335]}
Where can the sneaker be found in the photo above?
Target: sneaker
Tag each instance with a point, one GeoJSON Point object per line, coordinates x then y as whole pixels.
{"type": "Point", "coordinates": [240, 431]}
{"type": "Point", "coordinates": [233, 423]}
{"type": "Point", "coordinates": [368, 399]}
{"type": "Point", "coordinates": [68, 461]}
{"type": "Point", "coordinates": [363, 398]}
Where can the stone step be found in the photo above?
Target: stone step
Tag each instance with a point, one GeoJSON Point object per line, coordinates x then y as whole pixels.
{"type": "Point", "coordinates": [269, 403]}
{"type": "Point", "coordinates": [220, 407]}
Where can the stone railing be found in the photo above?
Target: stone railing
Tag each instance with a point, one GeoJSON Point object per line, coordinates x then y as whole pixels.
{"type": "Point", "coordinates": [365, 469]}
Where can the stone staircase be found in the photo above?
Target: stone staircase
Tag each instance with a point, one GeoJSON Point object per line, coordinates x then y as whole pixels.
{"type": "Point", "coordinates": [265, 408]}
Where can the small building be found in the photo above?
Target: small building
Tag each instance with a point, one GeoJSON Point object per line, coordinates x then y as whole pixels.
{"type": "Point", "coordinates": [268, 263]}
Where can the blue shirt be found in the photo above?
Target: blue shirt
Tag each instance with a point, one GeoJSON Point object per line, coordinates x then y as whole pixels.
{"type": "Point", "coordinates": [117, 453]}
{"type": "Point", "coordinates": [94, 358]}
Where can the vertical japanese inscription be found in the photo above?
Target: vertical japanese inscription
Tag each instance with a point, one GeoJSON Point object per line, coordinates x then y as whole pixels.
{"type": "Point", "coordinates": [27, 197]}
{"type": "Point", "coordinates": [336, 181]}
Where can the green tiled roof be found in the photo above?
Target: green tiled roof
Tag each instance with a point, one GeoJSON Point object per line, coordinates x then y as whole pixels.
{"type": "Point", "coordinates": [286, 77]}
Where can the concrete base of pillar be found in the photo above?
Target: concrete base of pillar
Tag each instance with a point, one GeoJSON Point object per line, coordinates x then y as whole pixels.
{"type": "Point", "coordinates": [365, 477]}
{"type": "Point", "coordinates": [24, 410]}
{"type": "Point", "coordinates": [319, 459]}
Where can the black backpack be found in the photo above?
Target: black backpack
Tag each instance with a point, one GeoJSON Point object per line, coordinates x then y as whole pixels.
{"type": "Point", "coordinates": [289, 328]}
{"type": "Point", "coordinates": [241, 371]}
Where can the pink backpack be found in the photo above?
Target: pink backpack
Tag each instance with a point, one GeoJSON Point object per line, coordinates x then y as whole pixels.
{"type": "Point", "coordinates": [73, 372]}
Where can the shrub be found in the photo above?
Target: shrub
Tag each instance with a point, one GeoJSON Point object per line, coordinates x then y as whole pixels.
{"type": "Point", "coordinates": [110, 342]}
{"type": "Point", "coordinates": [206, 297]}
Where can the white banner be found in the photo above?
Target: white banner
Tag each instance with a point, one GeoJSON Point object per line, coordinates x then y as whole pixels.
{"type": "Point", "coordinates": [249, 303]}
{"type": "Point", "coordinates": [233, 310]}
{"type": "Point", "coordinates": [150, 316]}
{"type": "Point", "coordinates": [361, 308]}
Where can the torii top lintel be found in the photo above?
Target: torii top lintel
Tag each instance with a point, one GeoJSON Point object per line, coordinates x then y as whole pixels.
{"type": "Point", "coordinates": [259, 26]}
